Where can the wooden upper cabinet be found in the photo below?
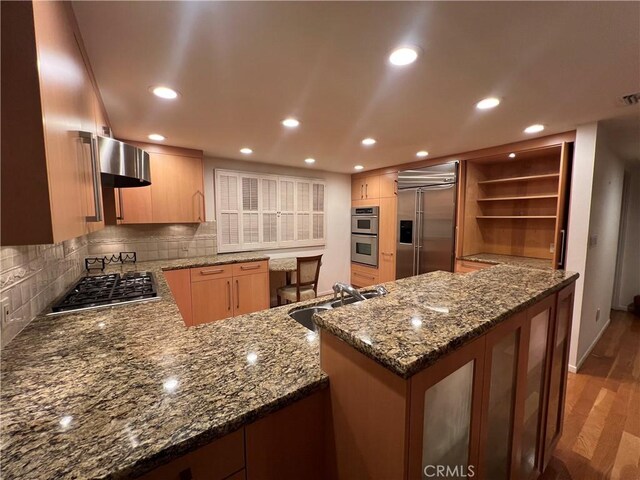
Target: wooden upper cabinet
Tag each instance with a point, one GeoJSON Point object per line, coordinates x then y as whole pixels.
{"type": "Point", "coordinates": [47, 174]}
{"type": "Point", "coordinates": [365, 188]}
{"type": "Point", "coordinates": [388, 185]}
{"type": "Point", "coordinates": [176, 193]}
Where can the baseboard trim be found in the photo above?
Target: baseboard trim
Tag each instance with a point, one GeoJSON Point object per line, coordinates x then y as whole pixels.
{"type": "Point", "coordinates": [576, 368]}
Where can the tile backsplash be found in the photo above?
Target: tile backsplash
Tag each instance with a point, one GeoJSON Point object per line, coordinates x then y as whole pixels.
{"type": "Point", "coordinates": [155, 242]}
{"type": "Point", "coordinates": [31, 277]}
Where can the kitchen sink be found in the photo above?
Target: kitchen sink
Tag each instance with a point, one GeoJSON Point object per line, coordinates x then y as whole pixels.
{"type": "Point", "coordinates": [304, 315]}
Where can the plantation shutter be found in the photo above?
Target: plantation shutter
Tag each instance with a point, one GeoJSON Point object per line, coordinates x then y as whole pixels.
{"type": "Point", "coordinates": [287, 211]}
{"type": "Point", "coordinates": [303, 210]}
{"type": "Point", "coordinates": [318, 211]}
{"type": "Point", "coordinates": [228, 214]}
{"type": "Point", "coordinates": [250, 214]}
{"type": "Point", "coordinates": [269, 211]}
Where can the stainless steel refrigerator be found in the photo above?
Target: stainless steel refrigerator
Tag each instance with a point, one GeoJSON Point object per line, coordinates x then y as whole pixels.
{"type": "Point", "coordinates": [426, 219]}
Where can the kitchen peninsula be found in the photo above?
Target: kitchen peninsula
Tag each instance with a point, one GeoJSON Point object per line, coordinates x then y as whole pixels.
{"type": "Point", "coordinates": [121, 393]}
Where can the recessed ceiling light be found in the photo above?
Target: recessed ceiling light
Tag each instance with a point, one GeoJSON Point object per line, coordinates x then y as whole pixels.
{"type": "Point", "coordinates": [534, 128]}
{"type": "Point", "coordinates": [369, 141]}
{"type": "Point", "coordinates": [290, 122]}
{"type": "Point", "coordinates": [309, 160]}
{"type": "Point", "coordinates": [246, 151]}
{"type": "Point", "coordinates": [402, 56]}
{"type": "Point", "coordinates": [488, 103]}
{"type": "Point", "coordinates": [512, 155]}
{"type": "Point", "coordinates": [358, 167]}
{"type": "Point", "coordinates": [157, 137]}
{"type": "Point", "coordinates": [164, 92]}
{"type": "Point", "coordinates": [422, 154]}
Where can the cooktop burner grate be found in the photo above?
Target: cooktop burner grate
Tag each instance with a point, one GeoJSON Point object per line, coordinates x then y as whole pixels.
{"type": "Point", "coordinates": [110, 289]}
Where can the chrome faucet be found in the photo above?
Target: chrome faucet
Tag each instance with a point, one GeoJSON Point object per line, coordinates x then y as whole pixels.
{"type": "Point", "coordinates": [381, 290]}
{"type": "Point", "coordinates": [341, 288]}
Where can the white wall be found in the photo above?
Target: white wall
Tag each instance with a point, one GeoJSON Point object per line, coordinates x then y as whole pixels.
{"type": "Point", "coordinates": [337, 250]}
{"type": "Point", "coordinates": [628, 274]}
{"type": "Point", "coordinates": [602, 222]}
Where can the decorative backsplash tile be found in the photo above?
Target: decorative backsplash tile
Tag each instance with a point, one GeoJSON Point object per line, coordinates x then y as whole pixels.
{"type": "Point", "coordinates": [156, 242]}
{"type": "Point", "coordinates": [31, 277]}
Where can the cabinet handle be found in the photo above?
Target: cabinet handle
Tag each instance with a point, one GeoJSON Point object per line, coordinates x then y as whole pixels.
{"type": "Point", "coordinates": [237, 295]}
{"type": "Point", "coordinates": [250, 267]}
{"type": "Point", "coordinates": [564, 234]}
{"type": "Point", "coordinates": [211, 272]}
{"type": "Point", "coordinates": [395, 187]}
{"type": "Point", "coordinates": [89, 138]}
{"type": "Point", "coordinates": [229, 295]}
{"type": "Point", "coordinates": [366, 190]}
{"type": "Point", "coordinates": [361, 191]}
{"type": "Point", "coordinates": [387, 254]}
{"type": "Point", "coordinates": [200, 195]}
{"type": "Point", "coordinates": [120, 205]}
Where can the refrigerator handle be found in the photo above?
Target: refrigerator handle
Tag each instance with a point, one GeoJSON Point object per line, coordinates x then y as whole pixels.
{"type": "Point", "coordinates": [414, 233]}
{"type": "Point", "coordinates": [418, 236]}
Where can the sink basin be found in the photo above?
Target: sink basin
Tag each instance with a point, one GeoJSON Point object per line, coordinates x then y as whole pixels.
{"type": "Point", "coordinates": [303, 316]}
{"type": "Point", "coordinates": [350, 300]}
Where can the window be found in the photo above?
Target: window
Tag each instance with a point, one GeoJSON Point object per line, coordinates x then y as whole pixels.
{"type": "Point", "coordinates": [256, 212]}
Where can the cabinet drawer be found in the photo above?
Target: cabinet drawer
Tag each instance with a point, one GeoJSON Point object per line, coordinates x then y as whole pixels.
{"type": "Point", "coordinates": [216, 461]}
{"type": "Point", "coordinates": [201, 274]}
{"type": "Point", "coordinates": [362, 276]}
{"type": "Point", "coordinates": [249, 268]}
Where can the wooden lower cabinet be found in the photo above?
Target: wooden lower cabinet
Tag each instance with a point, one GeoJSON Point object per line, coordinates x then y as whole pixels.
{"type": "Point", "coordinates": [387, 239]}
{"type": "Point", "coordinates": [363, 276]}
{"type": "Point", "coordinates": [285, 445]}
{"type": "Point", "coordinates": [491, 409]}
{"type": "Point", "coordinates": [207, 294]}
{"type": "Point", "coordinates": [466, 266]}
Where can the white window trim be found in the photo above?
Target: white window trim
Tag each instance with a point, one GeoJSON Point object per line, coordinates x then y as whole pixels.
{"type": "Point", "coordinates": [279, 244]}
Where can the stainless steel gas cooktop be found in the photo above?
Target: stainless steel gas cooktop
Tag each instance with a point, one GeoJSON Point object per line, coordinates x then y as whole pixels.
{"type": "Point", "coordinates": [112, 289]}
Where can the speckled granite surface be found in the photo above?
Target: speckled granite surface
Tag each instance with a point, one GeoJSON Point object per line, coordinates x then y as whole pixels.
{"type": "Point", "coordinates": [495, 259]}
{"type": "Point", "coordinates": [113, 393]}
{"type": "Point", "coordinates": [425, 317]}
{"type": "Point", "coordinates": [283, 264]}
{"type": "Point", "coordinates": [222, 259]}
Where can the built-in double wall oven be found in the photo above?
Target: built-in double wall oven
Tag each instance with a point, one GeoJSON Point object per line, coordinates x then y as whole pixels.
{"type": "Point", "coordinates": [364, 235]}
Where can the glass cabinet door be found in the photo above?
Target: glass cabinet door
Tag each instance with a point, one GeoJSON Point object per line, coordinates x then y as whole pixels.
{"type": "Point", "coordinates": [535, 375]}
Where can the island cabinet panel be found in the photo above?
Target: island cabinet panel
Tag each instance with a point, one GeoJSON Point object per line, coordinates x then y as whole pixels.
{"type": "Point", "coordinates": [211, 300]}
{"type": "Point", "coordinates": [464, 266]}
{"type": "Point", "coordinates": [250, 293]}
{"type": "Point", "coordinates": [557, 371]}
{"type": "Point", "coordinates": [367, 414]}
{"type": "Point", "coordinates": [216, 461]}
{"type": "Point", "coordinates": [288, 444]}
{"type": "Point", "coordinates": [444, 423]}
{"type": "Point", "coordinates": [179, 282]}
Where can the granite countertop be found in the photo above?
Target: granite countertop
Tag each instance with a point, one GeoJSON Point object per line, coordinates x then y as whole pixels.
{"type": "Point", "coordinates": [283, 264]}
{"type": "Point", "coordinates": [425, 317]}
{"type": "Point", "coordinates": [496, 259]}
{"type": "Point", "coordinates": [209, 261]}
{"type": "Point", "coordinates": [112, 393]}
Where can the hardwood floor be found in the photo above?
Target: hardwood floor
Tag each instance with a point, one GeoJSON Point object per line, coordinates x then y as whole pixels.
{"type": "Point", "coordinates": [601, 437]}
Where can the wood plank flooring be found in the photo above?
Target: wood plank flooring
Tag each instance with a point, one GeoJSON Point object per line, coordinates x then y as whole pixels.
{"type": "Point", "coordinates": [601, 437]}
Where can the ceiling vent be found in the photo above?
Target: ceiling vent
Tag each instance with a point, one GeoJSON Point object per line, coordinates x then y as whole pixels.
{"type": "Point", "coordinates": [631, 99]}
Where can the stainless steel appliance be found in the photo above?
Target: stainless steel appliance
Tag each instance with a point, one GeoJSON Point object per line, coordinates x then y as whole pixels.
{"type": "Point", "coordinates": [426, 219]}
{"type": "Point", "coordinates": [365, 220]}
{"type": "Point", "coordinates": [364, 235]}
{"type": "Point", "coordinates": [108, 290]}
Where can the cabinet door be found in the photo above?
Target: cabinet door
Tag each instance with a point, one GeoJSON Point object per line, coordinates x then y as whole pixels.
{"type": "Point", "coordinates": [529, 412]}
{"type": "Point", "coordinates": [362, 276]}
{"type": "Point", "coordinates": [176, 188]}
{"type": "Point", "coordinates": [372, 187]}
{"type": "Point", "coordinates": [388, 185]}
{"type": "Point", "coordinates": [179, 282]}
{"type": "Point", "coordinates": [504, 363]}
{"type": "Point", "coordinates": [133, 205]}
{"type": "Point", "coordinates": [387, 240]}
{"type": "Point", "coordinates": [211, 300]}
{"type": "Point", "coordinates": [444, 424]}
{"type": "Point", "coordinates": [559, 361]}
{"type": "Point", "coordinates": [357, 189]}
{"type": "Point", "coordinates": [250, 293]}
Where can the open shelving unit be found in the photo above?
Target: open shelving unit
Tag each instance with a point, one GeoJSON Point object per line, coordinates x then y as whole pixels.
{"type": "Point", "coordinates": [516, 206]}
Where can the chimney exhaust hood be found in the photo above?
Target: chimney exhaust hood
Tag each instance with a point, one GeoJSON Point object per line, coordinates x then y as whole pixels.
{"type": "Point", "coordinates": [123, 165]}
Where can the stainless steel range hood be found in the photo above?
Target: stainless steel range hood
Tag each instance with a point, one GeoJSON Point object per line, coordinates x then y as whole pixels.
{"type": "Point", "coordinates": [123, 165]}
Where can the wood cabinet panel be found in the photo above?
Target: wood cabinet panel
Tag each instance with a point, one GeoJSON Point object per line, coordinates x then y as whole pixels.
{"type": "Point", "coordinates": [288, 444]}
{"type": "Point", "coordinates": [362, 276]}
{"type": "Point", "coordinates": [211, 300]}
{"type": "Point", "coordinates": [215, 461]}
{"type": "Point", "coordinates": [134, 205]}
{"type": "Point", "coordinates": [365, 188]}
{"type": "Point", "coordinates": [179, 282]}
{"type": "Point", "coordinates": [250, 293]}
{"type": "Point", "coordinates": [387, 236]}
{"type": "Point", "coordinates": [388, 185]}
{"type": "Point", "coordinates": [463, 266]}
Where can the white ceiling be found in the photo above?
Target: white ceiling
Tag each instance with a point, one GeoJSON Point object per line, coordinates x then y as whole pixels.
{"type": "Point", "coordinates": [242, 67]}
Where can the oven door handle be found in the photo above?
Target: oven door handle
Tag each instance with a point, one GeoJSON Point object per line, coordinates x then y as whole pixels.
{"type": "Point", "coordinates": [362, 235]}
